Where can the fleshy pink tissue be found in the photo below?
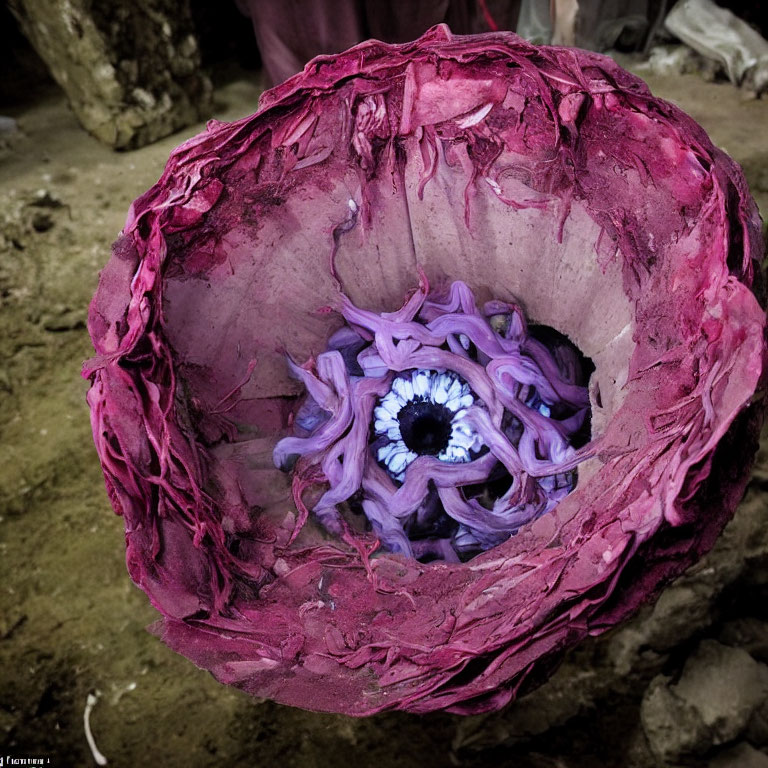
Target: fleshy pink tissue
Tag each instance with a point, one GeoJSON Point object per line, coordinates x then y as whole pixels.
{"type": "Point", "coordinates": [544, 178]}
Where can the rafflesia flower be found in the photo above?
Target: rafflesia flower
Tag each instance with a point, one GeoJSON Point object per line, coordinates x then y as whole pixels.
{"type": "Point", "coordinates": [443, 360]}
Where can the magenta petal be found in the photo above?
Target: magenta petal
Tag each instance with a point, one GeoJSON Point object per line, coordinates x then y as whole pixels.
{"type": "Point", "coordinates": [542, 176]}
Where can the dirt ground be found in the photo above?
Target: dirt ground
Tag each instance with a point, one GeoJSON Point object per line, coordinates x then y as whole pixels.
{"type": "Point", "coordinates": [72, 624]}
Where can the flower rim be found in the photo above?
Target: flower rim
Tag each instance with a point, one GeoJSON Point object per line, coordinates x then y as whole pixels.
{"type": "Point", "coordinates": [263, 617]}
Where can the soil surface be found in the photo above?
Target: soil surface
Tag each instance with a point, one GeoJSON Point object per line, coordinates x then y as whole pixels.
{"type": "Point", "coordinates": [72, 625]}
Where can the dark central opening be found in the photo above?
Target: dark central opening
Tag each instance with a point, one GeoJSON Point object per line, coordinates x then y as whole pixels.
{"type": "Point", "coordinates": [425, 426]}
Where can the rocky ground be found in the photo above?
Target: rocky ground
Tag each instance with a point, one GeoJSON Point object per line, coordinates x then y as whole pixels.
{"type": "Point", "coordinates": [685, 683]}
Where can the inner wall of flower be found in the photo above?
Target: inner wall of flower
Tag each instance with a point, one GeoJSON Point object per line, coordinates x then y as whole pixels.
{"type": "Point", "coordinates": [444, 426]}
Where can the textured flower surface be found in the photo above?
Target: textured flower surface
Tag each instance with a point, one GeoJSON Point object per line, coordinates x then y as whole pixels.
{"type": "Point", "coordinates": [291, 430]}
{"type": "Point", "coordinates": [444, 385]}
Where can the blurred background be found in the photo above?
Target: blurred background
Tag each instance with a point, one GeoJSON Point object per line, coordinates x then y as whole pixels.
{"type": "Point", "coordinates": [93, 97]}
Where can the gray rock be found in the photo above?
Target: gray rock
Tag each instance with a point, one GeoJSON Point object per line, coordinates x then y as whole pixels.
{"type": "Point", "coordinates": [8, 125]}
{"type": "Point", "coordinates": [671, 728]}
{"type": "Point", "coordinates": [741, 756]}
{"type": "Point", "coordinates": [757, 730]}
{"type": "Point", "coordinates": [719, 691]}
{"type": "Point", "coordinates": [748, 633]}
{"type": "Point", "coordinates": [131, 70]}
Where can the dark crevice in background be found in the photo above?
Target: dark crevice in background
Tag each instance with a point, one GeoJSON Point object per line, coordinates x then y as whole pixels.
{"type": "Point", "coordinates": [227, 43]}
{"type": "Point", "coordinates": [23, 74]}
{"type": "Point", "coordinates": [751, 11]}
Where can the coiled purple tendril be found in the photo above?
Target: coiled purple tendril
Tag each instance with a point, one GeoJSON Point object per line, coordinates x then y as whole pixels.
{"type": "Point", "coordinates": [448, 427]}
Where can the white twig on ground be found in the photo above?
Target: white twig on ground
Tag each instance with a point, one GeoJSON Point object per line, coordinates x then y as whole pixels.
{"type": "Point", "coordinates": [90, 703]}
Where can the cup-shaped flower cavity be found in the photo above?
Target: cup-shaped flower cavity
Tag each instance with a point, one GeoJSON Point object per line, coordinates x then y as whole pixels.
{"type": "Point", "coordinates": [446, 358]}
{"type": "Point", "coordinates": [446, 426]}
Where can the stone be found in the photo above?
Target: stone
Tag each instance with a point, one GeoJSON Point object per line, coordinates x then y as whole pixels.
{"type": "Point", "coordinates": [671, 728]}
{"type": "Point", "coordinates": [741, 756]}
{"type": "Point", "coordinates": [131, 70]}
{"type": "Point", "coordinates": [8, 125]}
{"type": "Point", "coordinates": [749, 633]}
{"type": "Point", "coordinates": [757, 730]}
{"type": "Point", "coordinates": [712, 703]}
